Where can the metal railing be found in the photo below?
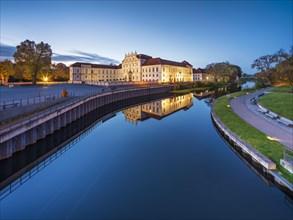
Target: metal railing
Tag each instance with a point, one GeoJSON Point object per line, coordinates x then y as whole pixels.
{"type": "Point", "coordinates": [38, 113]}
{"type": "Point", "coordinates": [7, 105]}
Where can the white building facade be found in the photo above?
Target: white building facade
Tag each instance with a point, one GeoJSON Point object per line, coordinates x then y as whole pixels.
{"type": "Point", "coordinates": [134, 68]}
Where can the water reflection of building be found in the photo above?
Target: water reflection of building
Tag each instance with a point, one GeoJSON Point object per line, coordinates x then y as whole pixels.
{"type": "Point", "coordinates": [158, 109]}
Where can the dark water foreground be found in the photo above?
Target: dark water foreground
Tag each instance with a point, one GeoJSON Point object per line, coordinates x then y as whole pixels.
{"type": "Point", "coordinates": [159, 160]}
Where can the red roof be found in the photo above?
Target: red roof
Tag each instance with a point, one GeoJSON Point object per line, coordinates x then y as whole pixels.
{"type": "Point", "coordinates": [199, 70]}
{"type": "Point", "coordinates": [159, 61]}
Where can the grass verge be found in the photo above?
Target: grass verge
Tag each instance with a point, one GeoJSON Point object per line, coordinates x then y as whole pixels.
{"type": "Point", "coordinates": [258, 140]}
{"type": "Point", "coordinates": [279, 101]}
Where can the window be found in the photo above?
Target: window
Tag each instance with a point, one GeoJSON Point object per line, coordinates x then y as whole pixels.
{"type": "Point", "coordinates": [157, 75]}
{"type": "Point", "coordinates": [157, 69]}
{"type": "Point", "coordinates": [163, 69]}
{"type": "Point", "coordinates": [153, 75]}
{"type": "Point", "coordinates": [92, 71]}
{"type": "Point", "coordinates": [153, 69]}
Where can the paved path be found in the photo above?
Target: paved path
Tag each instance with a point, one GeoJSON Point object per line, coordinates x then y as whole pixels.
{"type": "Point", "coordinates": [248, 112]}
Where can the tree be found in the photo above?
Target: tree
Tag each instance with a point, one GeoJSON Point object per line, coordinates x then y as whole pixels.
{"type": "Point", "coordinates": [224, 71]}
{"type": "Point", "coordinates": [60, 72]}
{"type": "Point", "coordinates": [264, 65]}
{"type": "Point", "coordinates": [284, 68]}
{"type": "Point", "coordinates": [32, 57]}
{"type": "Point", "coordinates": [6, 70]}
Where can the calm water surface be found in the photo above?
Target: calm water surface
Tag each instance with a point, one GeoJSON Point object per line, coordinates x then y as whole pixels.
{"type": "Point", "coordinates": [161, 160]}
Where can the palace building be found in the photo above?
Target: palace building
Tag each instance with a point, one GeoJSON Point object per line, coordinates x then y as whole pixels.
{"type": "Point", "coordinates": [135, 67]}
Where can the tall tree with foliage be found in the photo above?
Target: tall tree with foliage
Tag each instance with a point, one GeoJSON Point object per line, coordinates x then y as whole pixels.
{"type": "Point", "coordinates": [6, 70]}
{"type": "Point", "coordinates": [60, 72]}
{"type": "Point", "coordinates": [224, 71]}
{"type": "Point", "coordinates": [33, 57]}
{"type": "Point", "coordinates": [284, 68]}
{"type": "Point", "coordinates": [276, 68]}
{"type": "Point", "coordinates": [264, 64]}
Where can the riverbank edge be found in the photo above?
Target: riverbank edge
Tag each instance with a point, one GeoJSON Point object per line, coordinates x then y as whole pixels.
{"type": "Point", "coordinates": [257, 156]}
{"type": "Point", "coordinates": [20, 135]}
{"type": "Point", "coordinates": [13, 182]}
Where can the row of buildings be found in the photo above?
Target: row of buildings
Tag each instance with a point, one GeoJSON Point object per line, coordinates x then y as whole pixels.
{"type": "Point", "coordinates": [137, 68]}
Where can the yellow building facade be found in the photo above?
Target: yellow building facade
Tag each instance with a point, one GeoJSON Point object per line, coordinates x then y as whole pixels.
{"type": "Point", "coordinates": [134, 68]}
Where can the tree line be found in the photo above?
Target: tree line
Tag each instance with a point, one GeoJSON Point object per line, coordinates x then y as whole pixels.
{"type": "Point", "coordinates": [32, 62]}
{"type": "Point", "coordinates": [276, 68]}
{"type": "Point", "coordinates": [224, 72]}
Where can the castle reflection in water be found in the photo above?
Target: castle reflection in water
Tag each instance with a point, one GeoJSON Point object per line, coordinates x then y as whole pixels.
{"type": "Point", "coordinates": [158, 109]}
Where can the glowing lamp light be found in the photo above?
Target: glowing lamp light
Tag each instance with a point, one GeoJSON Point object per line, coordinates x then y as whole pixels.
{"type": "Point", "coordinates": [272, 138]}
{"type": "Point", "coordinates": [45, 79]}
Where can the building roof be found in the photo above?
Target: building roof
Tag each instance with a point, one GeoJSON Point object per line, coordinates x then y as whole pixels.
{"type": "Point", "coordinates": [79, 64]}
{"type": "Point", "coordinates": [199, 70]}
{"type": "Point", "coordinates": [159, 61]}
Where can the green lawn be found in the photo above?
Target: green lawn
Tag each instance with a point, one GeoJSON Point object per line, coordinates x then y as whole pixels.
{"type": "Point", "coordinates": [281, 89]}
{"type": "Point", "coordinates": [279, 101]}
{"type": "Point", "coordinates": [271, 149]}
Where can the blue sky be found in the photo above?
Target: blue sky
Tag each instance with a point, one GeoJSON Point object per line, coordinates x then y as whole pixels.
{"type": "Point", "coordinates": [200, 32]}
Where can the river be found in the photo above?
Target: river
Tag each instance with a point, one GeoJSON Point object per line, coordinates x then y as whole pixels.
{"type": "Point", "coordinates": [159, 160]}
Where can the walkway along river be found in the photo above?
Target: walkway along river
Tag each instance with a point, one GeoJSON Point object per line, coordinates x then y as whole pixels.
{"type": "Point", "coordinates": [161, 159]}
{"type": "Point", "coordinates": [26, 130]}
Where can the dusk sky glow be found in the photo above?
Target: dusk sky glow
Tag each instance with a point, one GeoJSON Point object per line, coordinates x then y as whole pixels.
{"type": "Point", "coordinates": [200, 32]}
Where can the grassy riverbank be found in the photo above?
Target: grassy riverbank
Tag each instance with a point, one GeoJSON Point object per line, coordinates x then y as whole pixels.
{"type": "Point", "coordinates": [269, 148]}
{"type": "Point", "coordinates": [279, 101]}
{"type": "Point", "coordinates": [181, 88]}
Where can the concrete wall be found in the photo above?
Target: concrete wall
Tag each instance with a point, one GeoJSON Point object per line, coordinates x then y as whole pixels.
{"type": "Point", "coordinates": [19, 136]}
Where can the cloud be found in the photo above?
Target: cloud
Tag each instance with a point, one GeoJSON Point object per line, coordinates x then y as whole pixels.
{"type": "Point", "coordinates": [7, 51]}
{"type": "Point", "coordinates": [79, 56]}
